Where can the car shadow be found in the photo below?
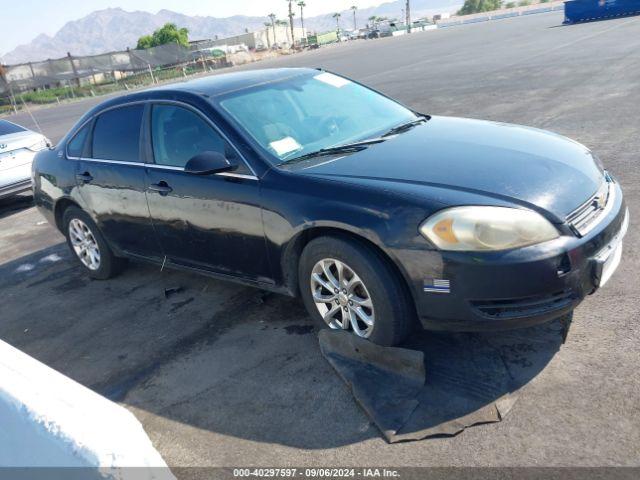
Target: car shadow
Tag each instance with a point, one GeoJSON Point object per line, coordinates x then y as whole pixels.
{"type": "Point", "coordinates": [198, 360]}
{"type": "Point", "coordinates": [12, 205]}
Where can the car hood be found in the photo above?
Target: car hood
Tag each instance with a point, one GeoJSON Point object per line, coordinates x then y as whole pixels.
{"type": "Point", "coordinates": [522, 165]}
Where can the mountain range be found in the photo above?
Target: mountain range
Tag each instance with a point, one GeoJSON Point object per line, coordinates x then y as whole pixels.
{"type": "Point", "coordinates": [116, 29]}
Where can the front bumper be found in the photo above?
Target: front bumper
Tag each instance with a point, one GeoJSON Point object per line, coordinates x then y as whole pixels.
{"type": "Point", "coordinates": [476, 291]}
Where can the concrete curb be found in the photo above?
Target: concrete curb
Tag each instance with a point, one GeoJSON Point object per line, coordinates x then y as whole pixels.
{"type": "Point", "coordinates": [49, 420]}
{"type": "Point", "coordinates": [501, 14]}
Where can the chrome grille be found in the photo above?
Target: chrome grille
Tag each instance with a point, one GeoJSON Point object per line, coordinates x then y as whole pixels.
{"type": "Point", "coordinates": [585, 217]}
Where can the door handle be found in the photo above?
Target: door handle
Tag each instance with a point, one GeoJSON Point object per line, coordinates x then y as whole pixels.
{"type": "Point", "coordinates": [84, 177]}
{"type": "Point", "coordinates": [162, 188]}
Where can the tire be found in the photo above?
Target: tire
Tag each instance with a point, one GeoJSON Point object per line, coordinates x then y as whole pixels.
{"type": "Point", "coordinates": [391, 309]}
{"type": "Point", "coordinates": [108, 265]}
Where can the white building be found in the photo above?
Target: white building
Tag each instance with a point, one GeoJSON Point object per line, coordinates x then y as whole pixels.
{"type": "Point", "coordinates": [261, 39]}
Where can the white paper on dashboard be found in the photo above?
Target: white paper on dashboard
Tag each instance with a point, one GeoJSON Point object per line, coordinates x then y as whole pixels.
{"type": "Point", "coordinates": [285, 145]}
{"type": "Point", "coordinates": [332, 79]}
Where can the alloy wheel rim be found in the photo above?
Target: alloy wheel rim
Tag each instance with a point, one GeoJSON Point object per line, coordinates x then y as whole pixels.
{"type": "Point", "coordinates": [84, 244]}
{"type": "Point", "coordinates": [342, 298]}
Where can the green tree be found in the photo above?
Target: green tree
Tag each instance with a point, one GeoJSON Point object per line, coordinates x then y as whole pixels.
{"type": "Point", "coordinates": [477, 6]}
{"type": "Point", "coordinates": [145, 41]}
{"type": "Point", "coordinates": [168, 33]}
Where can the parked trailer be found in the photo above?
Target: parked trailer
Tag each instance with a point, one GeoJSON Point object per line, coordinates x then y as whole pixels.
{"type": "Point", "coordinates": [314, 41]}
{"type": "Point", "coordinates": [576, 11]}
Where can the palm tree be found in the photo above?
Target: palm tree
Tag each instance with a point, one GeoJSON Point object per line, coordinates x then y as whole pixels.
{"type": "Point", "coordinates": [283, 23]}
{"type": "Point", "coordinates": [373, 19]}
{"type": "Point", "coordinates": [302, 5]}
{"type": "Point", "coordinates": [267, 24]}
{"type": "Point", "coordinates": [407, 11]}
{"type": "Point", "coordinates": [337, 17]}
{"type": "Point", "coordinates": [291, 14]}
{"type": "Point", "coordinates": [272, 16]}
{"type": "Point", "coordinates": [354, 8]}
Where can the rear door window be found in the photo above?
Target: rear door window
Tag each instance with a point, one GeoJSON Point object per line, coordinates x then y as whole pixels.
{"type": "Point", "coordinates": [116, 134]}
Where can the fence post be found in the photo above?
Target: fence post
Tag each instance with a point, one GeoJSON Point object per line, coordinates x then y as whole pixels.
{"type": "Point", "coordinates": [73, 94]}
{"type": "Point", "coordinates": [50, 74]}
{"type": "Point", "coordinates": [3, 79]}
{"type": "Point", "coordinates": [75, 72]}
{"type": "Point", "coordinates": [153, 79]}
{"type": "Point", "coordinates": [113, 71]}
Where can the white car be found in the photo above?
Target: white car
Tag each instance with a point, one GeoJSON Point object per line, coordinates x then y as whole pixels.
{"type": "Point", "coordinates": [18, 146]}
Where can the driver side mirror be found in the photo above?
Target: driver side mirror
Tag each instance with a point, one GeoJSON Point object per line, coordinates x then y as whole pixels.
{"type": "Point", "coordinates": [207, 163]}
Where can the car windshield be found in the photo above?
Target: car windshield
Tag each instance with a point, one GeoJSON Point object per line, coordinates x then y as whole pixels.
{"type": "Point", "coordinates": [306, 114]}
{"type": "Point", "coordinates": [7, 128]}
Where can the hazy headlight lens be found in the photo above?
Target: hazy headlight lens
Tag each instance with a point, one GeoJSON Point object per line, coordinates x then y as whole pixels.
{"type": "Point", "coordinates": [486, 228]}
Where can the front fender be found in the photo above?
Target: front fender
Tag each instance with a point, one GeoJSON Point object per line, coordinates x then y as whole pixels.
{"type": "Point", "coordinates": [297, 208]}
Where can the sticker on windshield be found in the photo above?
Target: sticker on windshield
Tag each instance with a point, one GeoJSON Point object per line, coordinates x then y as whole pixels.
{"type": "Point", "coordinates": [332, 80]}
{"type": "Point", "coordinates": [285, 145]}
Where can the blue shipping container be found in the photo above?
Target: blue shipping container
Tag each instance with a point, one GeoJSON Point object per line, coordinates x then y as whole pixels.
{"type": "Point", "coordinates": [587, 10]}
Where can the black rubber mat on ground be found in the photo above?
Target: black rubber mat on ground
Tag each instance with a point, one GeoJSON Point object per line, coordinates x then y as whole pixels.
{"type": "Point", "coordinates": [439, 384]}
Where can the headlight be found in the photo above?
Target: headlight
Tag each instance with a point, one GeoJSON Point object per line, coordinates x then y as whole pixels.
{"type": "Point", "coordinates": [486, 228]}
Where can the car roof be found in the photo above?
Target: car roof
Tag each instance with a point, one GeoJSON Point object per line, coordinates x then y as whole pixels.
{"type": "Point", "coordinates": [210, 86]}
{"type": "Point", "coordinates": [229, 82]}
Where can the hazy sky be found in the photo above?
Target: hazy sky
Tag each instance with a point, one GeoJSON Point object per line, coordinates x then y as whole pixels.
{"type": "Point", "coordinates": [23, 20]}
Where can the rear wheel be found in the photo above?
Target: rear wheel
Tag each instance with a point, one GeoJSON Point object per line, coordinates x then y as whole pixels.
{"type": "Point", "coordinates": [346, 285]}
{"type": "Point", "coordinates": [88, 245]}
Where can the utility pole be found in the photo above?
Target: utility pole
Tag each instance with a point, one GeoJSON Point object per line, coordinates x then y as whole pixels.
{"type": "Point", "coordinates": [293, 40]}
{"type": "Point", "coordinates": [408, 13]}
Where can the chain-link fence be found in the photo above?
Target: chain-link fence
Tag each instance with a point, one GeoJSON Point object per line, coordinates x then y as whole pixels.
{"type": "Point", "coordinates": [55, 79]}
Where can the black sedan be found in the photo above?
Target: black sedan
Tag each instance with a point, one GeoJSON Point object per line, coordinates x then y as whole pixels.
{"type": "Point", "coordinates": [306, 183]}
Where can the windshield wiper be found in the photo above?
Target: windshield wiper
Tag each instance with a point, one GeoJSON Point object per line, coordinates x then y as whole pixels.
{"type": "Point", "coordinates": [338, 149]}
{"type": "Point", "coordinates": [405, 126]}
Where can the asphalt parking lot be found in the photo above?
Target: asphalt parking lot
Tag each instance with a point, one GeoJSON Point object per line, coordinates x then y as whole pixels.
{"type": "Point", "coordinates": [224, 375]}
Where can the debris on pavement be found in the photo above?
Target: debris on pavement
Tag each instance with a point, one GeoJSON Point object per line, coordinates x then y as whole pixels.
{"type": "Point", "coordinates": [171, 291]}
{"type": "Point", "coordinates": [441, 383]}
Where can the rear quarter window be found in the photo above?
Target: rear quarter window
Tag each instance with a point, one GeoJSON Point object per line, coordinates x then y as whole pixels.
{"type": "Point", "coordinates": [75, 146]}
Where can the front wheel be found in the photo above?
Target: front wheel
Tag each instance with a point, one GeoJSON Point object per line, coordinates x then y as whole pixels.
{"type": "Point", "coordinates": [346, 285]}
{"type": "Point", "coordinates": [88, 245]}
